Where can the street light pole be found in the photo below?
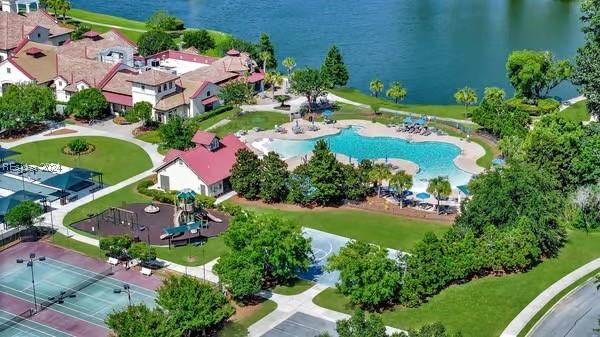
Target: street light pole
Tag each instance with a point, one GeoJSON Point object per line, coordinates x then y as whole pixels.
{"type": "Point", "coordinates": [30, 263]}
{"type": "Point", "coordinates": [126, 288]}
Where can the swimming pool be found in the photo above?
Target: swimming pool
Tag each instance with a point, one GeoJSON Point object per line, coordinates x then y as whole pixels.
{"type": "Point", "coordinates": [434, 158]}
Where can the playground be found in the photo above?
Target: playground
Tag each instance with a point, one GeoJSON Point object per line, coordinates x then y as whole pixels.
{"type": "Point", "coordinates": [136, 221]}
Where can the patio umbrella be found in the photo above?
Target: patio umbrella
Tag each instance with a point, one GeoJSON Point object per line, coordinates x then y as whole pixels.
{"type": "Point", "coordinates": [498, 162]}
{"type": "Point", "coordinates": [423, 195]}
{"type": "Point", "coordinates": [408, 120]}
{"type": "Point", "coordinates": [407, 193]}
{"type": "Point", "coordinates": [420, 121]}
{"type": "Point", "coordinates": [328, 113]}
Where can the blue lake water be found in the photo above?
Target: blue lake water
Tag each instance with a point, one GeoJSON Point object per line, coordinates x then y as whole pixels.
{"type": "Point", "coordinates": [433, 47]}
{"type": "Point", "coordinates": [434, 158]}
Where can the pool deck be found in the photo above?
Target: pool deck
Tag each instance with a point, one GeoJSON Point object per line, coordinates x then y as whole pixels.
{"type": "Point", "coordinates": [466, 160]}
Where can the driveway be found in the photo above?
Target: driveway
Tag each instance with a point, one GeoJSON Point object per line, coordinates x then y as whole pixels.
{"type": "Point", "coordinates": [576, 315]}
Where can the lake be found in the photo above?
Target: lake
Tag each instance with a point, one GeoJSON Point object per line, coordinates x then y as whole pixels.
{"type": "Point", "coordinates": [433, 47]}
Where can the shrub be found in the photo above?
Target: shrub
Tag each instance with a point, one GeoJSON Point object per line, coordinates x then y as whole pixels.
{"type": "Point", "coordinates": [78, 32]}
{"type": "Point", "coordinates": [154, 41]}
{"type": "Point", "coordinates": [78, 146]}
{"type": "Point", "coordinates": [161, 20]}
{"type": "Point", "coordinates": [131, 116]}
{"type": "Point", "coordinates": [156, 195]}
{"type": "Point", "coordinates": [199, 39]}
{"type": "Point", "coordinates": [87, 104]}
{"type": "Point", "coordinates": [206, 201]}
{"type": "Point", "coordinates": [543, 107]}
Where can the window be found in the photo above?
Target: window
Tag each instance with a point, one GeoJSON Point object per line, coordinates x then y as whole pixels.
{"type": "Point", "coordinates": [143, 87]}
{"type": "Point", "coordinates": [39, 35]}
{"type": "Point", "coordinates": [208, 93]}
{"type": "Point", "coordinates": [60, 83]}
{"type": "Point", "coordinates": [8, 70]}
{"type": "Point", "coordinates": [170, 85]}
{"type": "Point", "coordinates": [159, 88]}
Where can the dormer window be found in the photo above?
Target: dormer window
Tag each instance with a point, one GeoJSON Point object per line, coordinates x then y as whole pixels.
{"type": "Point", "coordinates": [208, 93]}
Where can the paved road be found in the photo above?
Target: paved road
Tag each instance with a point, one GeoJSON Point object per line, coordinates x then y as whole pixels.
{"type": "Point", "coordinates": [575, 315]}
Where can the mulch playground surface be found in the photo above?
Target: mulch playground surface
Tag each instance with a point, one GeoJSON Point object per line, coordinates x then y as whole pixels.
{"type": "Point", "coordinates": [55, 319]}
{"type": "Point", "coordinates": [153, 225]}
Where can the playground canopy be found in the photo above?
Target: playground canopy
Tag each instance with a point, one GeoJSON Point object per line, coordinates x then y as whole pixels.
{"type": "Point", "coordinates": [72, 180]}
{"type": "Point", "coordinates": [464, 189]}
{"type": "Point", "coordinates": [186, 194]}
{"type": "Point", "coordinates": [5, 153]}
{"type": "Point", "coordinates": [183, 228]}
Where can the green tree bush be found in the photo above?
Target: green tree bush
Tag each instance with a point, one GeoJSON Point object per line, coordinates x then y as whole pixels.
{"type": "Point", "coordinates": [143, 111]}
{"type": "Point", "coordinates": [87, 104]}
{"type": "Point", "coordinates": [142, 251]}
{"type": "Point", "coordinates": [138, 320]}
{"type": "Point", "coordinates": [587, 60]}
{"type": "Point", "coordinates": [534, 73]}
{"type": "Point", "coordinates": [334, 68]}
{"type": "Point", "coordinates": [23, 105]}
{"type": "Point", "coordinates": [273, 178]}
{"type": "Point", "coordinates": [78, 146]}
{"type": "Point", "coordinates": [176, 133]}
{"type": "Point", "coordinates": [155, 41]}
{"type": "Point", "coordinates": [310, 83]}
{"type": "Point", "coordinates": [440, 188]}
{"type": "Point", "coordinates": [199, 39]}
{"type": "Point", "coordinates": [236, 93]}
{"type": "Point", "coordinates": [245, 174]}
{"type": "Point", "coordinates": [23, 215]}
{"type": "Point", "coordinates": [116, 245]}
{"type": "Point", "coordinates": [162, 21]}
{"type": "Point", "coordinates": [326, 175]}
{"type": "Point", "coordinates": [396, 91]}
{"type": "Point", "coordinates": [266, 46]}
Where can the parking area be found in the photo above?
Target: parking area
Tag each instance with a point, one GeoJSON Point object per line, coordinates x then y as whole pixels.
{"type": "Point", "coordinates": [302, 325]}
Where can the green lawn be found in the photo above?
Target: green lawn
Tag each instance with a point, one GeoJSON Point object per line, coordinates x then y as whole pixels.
{"type": "Point", "coordinates": [382, 229]}
{"type": "Point", "coordinates": [152, 137]}
{"type": "Point", "coordinates": [449, 110]}
{"type": "Point", "coordinates": [239, 328]}
{"type": "Point", "coordinates": [64, 241]}
{"type": "Point", "coordinates": [207, 123]}
{"type": "Point", "coordinates": [249, 120]}
{"type": "Point", "coordinates": [297, 287]}
{"type": "Point", "coordinates": [577, 112]}
{"type": "Point", "coordinates": [484, 307]}
{"type": "Point", "coordinates": [116, 159]}
{"type": "Point", "coordinates": [200, 255]}
{"type": "Point", "coordinates": [130, 28]}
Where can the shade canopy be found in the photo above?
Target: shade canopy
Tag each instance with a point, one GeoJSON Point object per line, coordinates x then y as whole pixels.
{"type": "Point", "coordinates": [4, 153]}
{"type": "Point", "coordinates": [420, 121]}
{"type": "Point", "coordinates": [70, 179]}
{"type": "Point", "coordinates": [464, 189]}
{"type": "Point", "coordinates": [183, 228]}
{"type": "Point", "coordinates": [327, 113]}
{"type": "Point", "coordinates": [9, 202]}
{"type": "Point", "coordinates": [186, 194]}
{"type": "Point", "coordinates": [423, 195]}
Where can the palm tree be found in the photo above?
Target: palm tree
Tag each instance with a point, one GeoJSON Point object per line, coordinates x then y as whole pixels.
{"type": "Point", "coordinates": [376, 87]}
{"type": "Point", "coordinates": [378, 173]}
{"type": "Point", "coordinates": [274, 79]}
{"type": "Point", "coordinates": [401, 181]}
{"type": "Point", "coordinates": [265, 57]}
{"type": "Point", "coordinates": [396, 91]}
{"type": "Point", "coordinates": [440, 188]}
{"type": "Point", "coordinates": [289, 63]}
{"type": "Point", "coordinates": [466, 96]}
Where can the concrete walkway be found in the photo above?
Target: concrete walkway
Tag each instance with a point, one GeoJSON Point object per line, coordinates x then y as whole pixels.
{"type": "Point", "coordinates": [527, 314]}
{"type": "Point", "coordinates": [289, 305]}
{"type": "Point", "coordinates": [107, 25]}
{"type": "Point", "coordinates": [565, 104]}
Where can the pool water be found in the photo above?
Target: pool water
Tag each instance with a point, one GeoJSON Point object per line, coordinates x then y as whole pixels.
{"type": "Point", "coordinates": [434, 158]}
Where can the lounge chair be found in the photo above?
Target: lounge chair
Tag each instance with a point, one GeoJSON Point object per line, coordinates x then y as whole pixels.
{"type": "Point", "coordinates": [112, 261]}
{"type": "Point", "coordinates": [146, 271]}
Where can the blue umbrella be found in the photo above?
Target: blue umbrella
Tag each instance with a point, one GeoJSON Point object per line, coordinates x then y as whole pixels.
{"type": "Point", "coordinates": [408, 120]}
{"type": "Point", "coordinates": [423, 196]}
{"type": "Point", "coordinates": [407, 193]}
{"type": "Point", "coordinates": [420, 121]}
{"type": "Point", "coordinates": [327, 113]}
{"type": "Point", "coordinates": [498, 162]}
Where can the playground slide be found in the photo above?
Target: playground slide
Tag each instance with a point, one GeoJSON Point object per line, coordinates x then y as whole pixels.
{"type": "Point", "coordinates": [213, 218]}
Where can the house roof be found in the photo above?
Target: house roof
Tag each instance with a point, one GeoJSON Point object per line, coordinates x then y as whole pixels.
{"type": "Point", "coordinates": [209, 100]}
{"type": "Point", "coordinates": [90, 47]}
{"type": "Point", "coordinates": [203, 138]}
{"type": "Point", "coordinates": [122, 99]}
{"type": "Point", "coordinates": [153, 77]}
{"type": "Point", "coordinates": [120, 82]}
{"type": "Point", "coordinates": [14, 27]}
{"type": "Point", "coordinates": [33, 51]}
{"type": "Point", "coordinates": [210, 166]}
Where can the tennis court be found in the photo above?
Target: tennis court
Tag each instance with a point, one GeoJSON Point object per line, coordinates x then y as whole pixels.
{"type": "Point", "coordinates": [75, 299]}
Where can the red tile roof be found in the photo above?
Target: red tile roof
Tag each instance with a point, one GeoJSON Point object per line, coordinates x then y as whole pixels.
{"type": "Point", "coordinates": [210, 100]}
{"type": "Point", "coordinates": [91, 33]}
{"type": "Point", "coordinates": [210, 166]}
{"type": "Point", "coordinates": [112, 97]}
{"type": "Point", "coordinates": [33, 51]}
{"type": "Point", "coordinates": [255, 77]}
{"type": "Point", "coordinates": [203, 138]}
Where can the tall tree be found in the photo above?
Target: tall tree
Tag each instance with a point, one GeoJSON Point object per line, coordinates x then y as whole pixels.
{"type": "Point", "coordinates": [25, 104]}
{"type": "Point", "coordinates": [396, 91]}
{"type": "Point", "coordinates": [162, 21]}
{"type": "Point", "coordinates": [310, 83]}
{"type": "Point", "coordinates": [245, 174]}
{"type": "Point", "coordinates": [193, 306]}
{"type": "Point", "coordinates": [402, 182]}
{"type": "Point", "coordinates": [199, 39]}
{"type": "Point", "coordinates": [499, 118]}
{"type": "Point", "coordinates": [367, 275]}
{"type": "Point", "coordinates": [138, 320]}
{"type": "Point", "coordinates": [440, 188]}
{"type": "Point", "coordinates": [534, 73]}
{"type": "Point", "coordinates": [176, 133]}
{"type": "Point", "coordinates": [155, 41]}
{"type": "Point", "coordinates": [467, 97]}
{"type": "Point", "coordinates": [266, 46]}
{"type": "Point", "coordinates": [236, 93]}
{"type": "Point", "coordinates": [143, 110]}
{"type": "Point", "coordinates": [116, 245]}
{"type": "Point", "coordinates": [240, 275]}
{"type": "Point", "coordinates": [378, 174]}
{"type": "Point", "coordinates": [88, 104]}
{"type": "Point", "coordinates": [376, 86]}
{"type": "Point", "coordinates": [274, 174]}
{"type": "Point", "coordinates": [289, 63]}
{"type": "Point", "coordinates": [334, 67]}
{"type": "Point", "coordinates": [326, 175]}
{"type": "Point", "coordinates": [23, 215]}
{"type": "Point", "coordinates": [587, 60]}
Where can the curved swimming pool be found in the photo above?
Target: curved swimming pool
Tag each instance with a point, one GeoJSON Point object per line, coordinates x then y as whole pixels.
{"type": "Point", "coordinates": [434, 158]}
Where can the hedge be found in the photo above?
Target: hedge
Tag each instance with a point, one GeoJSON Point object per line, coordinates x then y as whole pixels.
{"type": "Point", "coordinates": [543, 107]}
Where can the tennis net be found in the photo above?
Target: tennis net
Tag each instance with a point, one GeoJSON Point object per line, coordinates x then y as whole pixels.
{"type": "Point", "coordinates": [77, 288]}
{"type": "Point", "coordinates": [17, 319]}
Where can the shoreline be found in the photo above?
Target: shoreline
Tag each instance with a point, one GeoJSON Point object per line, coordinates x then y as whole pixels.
{"type": "Point", "coordinates": [465, 161]}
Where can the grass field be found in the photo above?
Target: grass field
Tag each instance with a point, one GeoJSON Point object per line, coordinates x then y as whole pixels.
{"type": "Point", "coordinates": [448, 111]}
{"type": "Point", "coordinates": [297, 287]}
{"type": "Point", "coordinates": [382, 229]}
{"type": "Point", "coordinates": [485, 306]}
{"type": "Point", "coordinates": [83, 248]}
{"type": "Point", "coordinates": [133, 29]}
{"type": "Point", "coordinates": [249, 120]}
{"type": "Point", "coordinates": [577, 112]}
{"type": "Point", "coordinates": [116, 159]}
{"type": "Point", "coordinates": [239, 328]}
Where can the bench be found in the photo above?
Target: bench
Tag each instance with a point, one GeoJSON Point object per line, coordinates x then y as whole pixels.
{"type": "Point", "coordinates": [146, 271]}
{"type": "Point", "coordinates": [113, 261]}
